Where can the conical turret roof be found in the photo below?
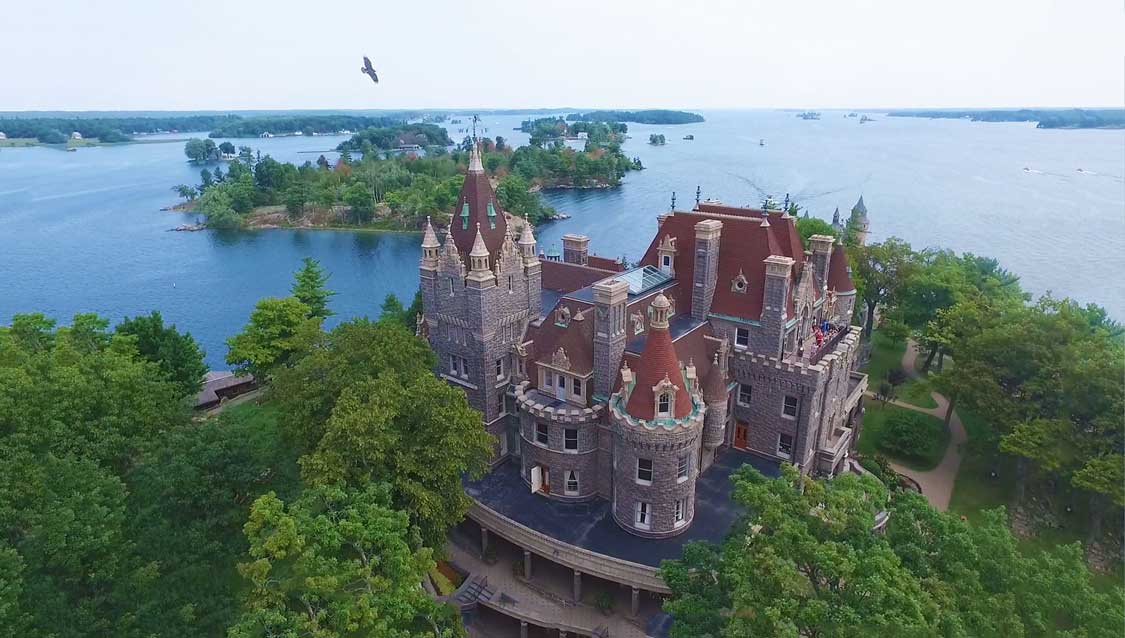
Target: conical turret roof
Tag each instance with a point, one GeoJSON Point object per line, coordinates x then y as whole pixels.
{"type": "Point", "coordinates": [658, 361]}
{"type": "Point", "coordinates": [479, 249]}
{"type": "Point", "coordinates": [477, 206]}
{"type": "Point", "coordinates": [859, 207]}
{"type": "Point", "coordinates": [429, 238]}
{"type": "Point", "coordinates": [715, 383]}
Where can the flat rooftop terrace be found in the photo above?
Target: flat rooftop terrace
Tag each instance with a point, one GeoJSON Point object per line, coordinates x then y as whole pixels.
{"type": "Point", "coordinates": [591, 526]}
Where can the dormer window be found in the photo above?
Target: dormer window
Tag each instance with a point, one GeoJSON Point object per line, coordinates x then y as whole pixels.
{"type": "Point", "coordinates": [666, 262]}
{"type": "Point", "coordinates": [663, 404]}
{"type": "Point", "coordinates": [739, 283]}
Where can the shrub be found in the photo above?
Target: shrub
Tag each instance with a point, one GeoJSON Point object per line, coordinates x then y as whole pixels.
{"type": "Point", "coordinates": [603, 600]}
{"type": "Point", "coordinates": [896, 376]}
{"type": "Point", "coordinates": [912, 435]}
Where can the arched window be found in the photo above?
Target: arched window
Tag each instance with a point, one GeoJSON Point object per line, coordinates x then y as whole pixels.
{"type": "Point", "coordinates": [663, 404]}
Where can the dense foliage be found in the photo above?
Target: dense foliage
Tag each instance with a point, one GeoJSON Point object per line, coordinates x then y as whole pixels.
{"type": "Point", "coordinates": [1046, 118]}
{"type": "Point", "coordinates": [657, 139]}
{"type": "Point", "coordinates": [651, 116]}
{"type": "Point", "coordinates": [177, 354]}
{"type": "Point", "coordinates": [387, 137]}
{"type": "Point", "coordinates": [305, 124]}
{"type": "Point", "coordinates": [107, 129]}
{"type": "Point", "coordinates": [807, 561]}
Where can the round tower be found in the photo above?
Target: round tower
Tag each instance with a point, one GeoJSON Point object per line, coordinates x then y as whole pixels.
{"type": "Point", "coordinates": [658, 421]}
{"type": "Point", "coordinates": [715, 397]}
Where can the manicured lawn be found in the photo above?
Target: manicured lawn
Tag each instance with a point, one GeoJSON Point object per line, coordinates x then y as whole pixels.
{"type": "Point", "coordinates": [875, 418]}
{"type": "Point", "coordinates": [886, 355]}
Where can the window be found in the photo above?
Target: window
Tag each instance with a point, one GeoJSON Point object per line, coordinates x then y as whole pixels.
{"type": "Point", "coordinates": [509, 283]}
{"type": "Point", "coordinates": [744, 394]}
{"type": "Point", "coordinates": [451, 285]}
{"type": "Point", "coordinates": [790, 408]}
{"type": "Point", "coordinates": [663, 403]}
{"type": "Point", "coordinates": [570, 439]}
{"type": "Point", "coordinates": [500, 368]}
{"type": "Point", "coordinates": [577, 385]}
{"type": "Point", "coordinates": [519, 366]}
{"type": "Point", "coordinates": [644, 471]}
{"type": "Point", "coordinates": [643, 515]}
{"type": "Point", "coordinates": [666, 261]}
{"type": "Point", "coordinates": [458, 366]}
{"type": "Point", "coordinates": [681, 512]}
{"type": "Point", "coordinates": [571, 488]}
{"type": "Point", "coordinates": [541, 433]}
{"type": "Point", "coordinates": [784, 445]}
{"type": "Point", "coordinates": [683, 464]}
{"type": "Point", "coordinates": [561, 381]}
{"type": "Point", "coordinates": [742, 337]}
{"type": "Point", "coordinates": [501, 409]}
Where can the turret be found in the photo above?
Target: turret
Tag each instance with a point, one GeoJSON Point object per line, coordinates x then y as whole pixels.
{"type": "Point", "coordinates": [478, 262]}
{"type": "Point", "coordinates": [430, 247]}
{"type": "Point", "coordinates": [715, 396]}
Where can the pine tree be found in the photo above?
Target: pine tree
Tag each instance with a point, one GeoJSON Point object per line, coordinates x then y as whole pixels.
{"type": "Point", "coordinates": [309, 288]}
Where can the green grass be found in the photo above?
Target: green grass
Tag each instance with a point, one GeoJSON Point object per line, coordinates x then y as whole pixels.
{"type": "Point", "coordinates": [886, 355]}
{"type": "Point", "coordinates": [19, 141]}
{"type": "Point", "coordinates": [875, 418]}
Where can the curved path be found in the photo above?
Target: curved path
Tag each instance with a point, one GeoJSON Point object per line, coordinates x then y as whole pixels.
{"type": "Point", "coordinates": [937, 484]}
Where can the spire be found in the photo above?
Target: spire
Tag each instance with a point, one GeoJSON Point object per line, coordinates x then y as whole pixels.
{"type": "Point", "coordinates": [836, 217]}
{"type": "Point", "coordinates": [859, 207]}
{"type": "Point", "coordinates": [429, 238]}
{"type": "Point", "coordinates": [450, 247]}
{"type": "Point", "coordinates": [479, 249]}
{"type": "Point", "coordinates": [475, 165]}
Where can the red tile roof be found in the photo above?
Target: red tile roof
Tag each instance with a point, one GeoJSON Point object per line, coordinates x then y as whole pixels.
{"type": "Point", "coordinates": [743, 247]}
{"type": "Point", "coordinates": [564, 277]}
{"type": "Point", "coordinates": [576, 339]}
{"type": "Point", "coordinates": [657, 361]}
{"type": "Point", "coordinates": [838, 277]}
{"type": "Point", "coordinates": [605, 263]}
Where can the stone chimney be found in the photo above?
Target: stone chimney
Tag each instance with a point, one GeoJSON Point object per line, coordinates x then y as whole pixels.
{"type": "Point", "coordinates": [610, 297]}
{"type": "Point", "coordinates": [821, 248]}
{"type": "Point", "coordinates": [775, 302]}
{"type": "Point", "coordinates": [706, 269]}
{"type": "Point", "coordinates": [576, 249]}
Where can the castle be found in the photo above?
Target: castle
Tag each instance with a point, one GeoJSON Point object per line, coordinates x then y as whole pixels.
{"type": "Point", "coordinates": [618, 391]}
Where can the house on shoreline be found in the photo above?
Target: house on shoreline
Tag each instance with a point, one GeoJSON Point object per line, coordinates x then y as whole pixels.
{"type": "Point", "coordinates": [621, 399]}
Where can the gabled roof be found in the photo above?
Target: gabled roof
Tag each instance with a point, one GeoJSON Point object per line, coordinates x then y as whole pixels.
{"type": "Point", "coordinates": [564, 277]}
{"type": "Point", "coordinates": [477, 204]}
{"type": "Point", "coordinates": [744, 244]}
{"type": "Point", "coordinates": [576, 339]}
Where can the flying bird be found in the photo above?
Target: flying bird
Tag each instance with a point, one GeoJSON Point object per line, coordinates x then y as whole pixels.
{"type": "Point", "coordinates": [369, 70]}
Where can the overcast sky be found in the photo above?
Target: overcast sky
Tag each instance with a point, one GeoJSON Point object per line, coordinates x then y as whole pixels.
{"type": "Point", "coordinates": [281, 54]}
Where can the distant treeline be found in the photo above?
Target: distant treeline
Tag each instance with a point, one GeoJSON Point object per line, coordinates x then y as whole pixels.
{"type": "Point", "coordinates": [54, 130]}
{"type": "Point", "coordinates": [652, 116]}
{"type": "Point", "coordinates": [391, 135]}
{"type": "Point", "coordinates": [1046, 118]}
{"type": "Point", "coordinates": [305, 124]}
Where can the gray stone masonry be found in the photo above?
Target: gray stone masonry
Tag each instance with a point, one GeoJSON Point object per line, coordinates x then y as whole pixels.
{"type": "Point", "coordinates": [576, 249]}
{"type": "Point", "coordinates": [706, 270]}
{"type": "Point", "coordinates": [663, 447]}
{"type": "Point", "coordinates": [767, 339]}
{"type": "Point", "coordinates": [610, 297]}
{"type": "Point", "coordinates": [821, 247]}
{"type": "Point", "coordinates": [558, 460]}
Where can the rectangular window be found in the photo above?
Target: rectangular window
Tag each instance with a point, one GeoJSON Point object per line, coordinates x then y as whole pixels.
{"type": "Point", "coordinates": [662, 404]}
{"type": "Point", "coordinates": [744, 394]}
{"type": "Point", "coordinates": [500, 407]}
{"type": "Point", "coordinates": [519, 366]}
{"type": "Point", "coordinates": [681, 512]}
{"type": "Point", "coordinates": [561, 381]}
{"type": "Point", "coordinates": [509, 283]}
{"type": "Point", "coordinates": [784, 445]}
{"type": "Point", "coordinates": [571, 488]}
{"type": "Point", "coordinates": [642, 519]}
{"type": "Point", "coordinates": [454, 365]}
{"type": "Point", "coordinates": [541, 433]}
{"type": "Point", "coordinates": [577, 385]}
{"type": "Point", "coordinates": [451, 286]}
{"type": "Point", "coordinates": [666, 260]}
{"type": "Point", "coordinates": [742, 337]}
{"type": "Point", "coordinates": [570, 439]}
{"type": "Point", "coordinates": [683, 464]}
{"type": "Point", "coordinates": [500, 368]}
{"type": "Point", "coordinates": [644, 471]}
{"type": "Point", "coordinates": [790, 408]}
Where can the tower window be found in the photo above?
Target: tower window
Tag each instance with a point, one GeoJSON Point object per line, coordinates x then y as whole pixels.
{"type": "Point", "coordinates": [742, 337]}
{"type": "Point", "coordinates": [681, 512]}
{"type": "Point", "coordinates": [541, 434]}
{"type": "Point", "coordinates": [451, 285]}
{"type": "Point", "coordinates": [683, 464]}
{"type": "Point", "coordinates": [571, 488]}
{"type": "Point", "coordinates": [570, 440]}
{"type": "Point", "coordinates": [577, 385]}
{"type": "Point", "coordinates": [744, 394]}
{"type": "Point", "coordinates": [666, 261]}
{"type": "Point", "coordinates": [789, 409]}
{"type": "Point", "coordinates": [509, 283]}
{"type": "Point", "coordinates": [663, 404]}
{"type": "Point", "coordinates": [784, 445]}
{"type": "Point", "coordinates": [500, 368]}
{"type": "Point", "coordinates": [642, 515]}
{"type": "Point", "coordinates": [644, 471]}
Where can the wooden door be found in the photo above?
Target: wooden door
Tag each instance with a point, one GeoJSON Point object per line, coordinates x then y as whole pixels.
{"type": "Point", "coordinates": [740, 431]}
{"type": "Point", "coordinates": [546, 488]}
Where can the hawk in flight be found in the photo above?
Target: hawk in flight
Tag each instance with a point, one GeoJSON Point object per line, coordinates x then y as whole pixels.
{"type": "Point", "coordinates": [369, 70]}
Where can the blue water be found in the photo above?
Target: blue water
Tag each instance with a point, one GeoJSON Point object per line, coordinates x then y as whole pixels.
{"type": "Point", "coordinates": [82, 232]}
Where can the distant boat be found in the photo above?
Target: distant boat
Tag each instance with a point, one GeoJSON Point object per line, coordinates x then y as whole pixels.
{"type": "Point", "coordinates": [689, 137]}
{"type": "Point", "coordinates": [762, 142]}
{"type": "Point", "coordinates": [809, 115]}
{"type": "Point", "coordinates": [71, 149]}
{"type": "Point", "coordinates": [866, 119]}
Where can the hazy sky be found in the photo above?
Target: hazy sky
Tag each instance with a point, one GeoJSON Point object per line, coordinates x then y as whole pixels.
{"type": "Point", "coordinates": [272, 54]}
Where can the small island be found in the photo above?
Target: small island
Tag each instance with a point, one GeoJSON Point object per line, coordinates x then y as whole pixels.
{"type": "Point", "coordinates": [1044, 118]}
{"type": "Point", "coordinates": [650, 116]}
{"type": "Point", "coordinates": [548, 162]}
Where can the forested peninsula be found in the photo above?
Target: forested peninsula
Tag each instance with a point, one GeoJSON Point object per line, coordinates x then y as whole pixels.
{"type": "Point", "coordinates": [1045, 118]}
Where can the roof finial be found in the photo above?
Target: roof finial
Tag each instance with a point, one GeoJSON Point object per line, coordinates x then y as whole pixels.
{"type": "Point", "coordinates": [698, 192]}
{"type": "Point", "coordinates": [673, 201]}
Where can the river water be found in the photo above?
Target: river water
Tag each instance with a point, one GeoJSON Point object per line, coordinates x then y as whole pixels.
{"type": "Point", "coordinates": [82, 232]}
